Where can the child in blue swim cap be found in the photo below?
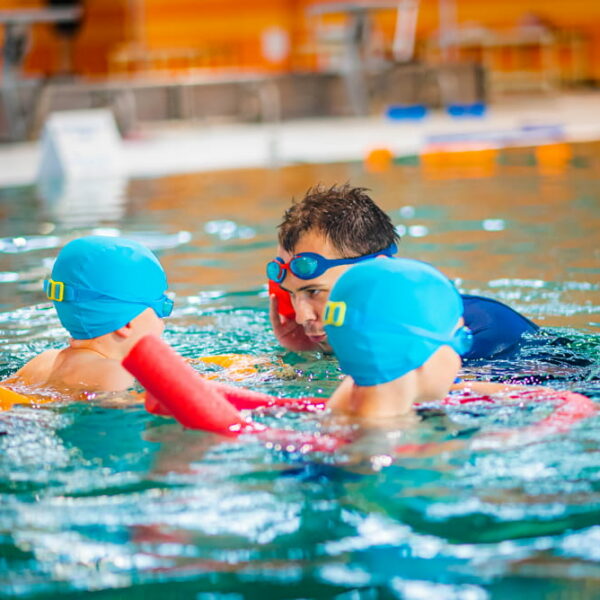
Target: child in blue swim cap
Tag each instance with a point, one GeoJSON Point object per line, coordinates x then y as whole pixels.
{"type": "Point", "coordinates": [396, 327]}
{"type": "Point", "coordinates": [108, 293]}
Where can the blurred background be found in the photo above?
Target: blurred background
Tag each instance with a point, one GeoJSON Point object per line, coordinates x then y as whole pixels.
{"type": "Point", "coordinates": [229, 59]}
{"type": "Point", "coordinates": [189, 126]}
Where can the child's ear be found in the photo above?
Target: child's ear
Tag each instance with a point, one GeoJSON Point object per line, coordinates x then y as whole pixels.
{"type": "Point", "coordinates": [124, 331]}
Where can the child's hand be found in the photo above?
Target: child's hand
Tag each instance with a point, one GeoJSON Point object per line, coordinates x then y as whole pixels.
{"type": "Point", "coordinates": [288, 333]}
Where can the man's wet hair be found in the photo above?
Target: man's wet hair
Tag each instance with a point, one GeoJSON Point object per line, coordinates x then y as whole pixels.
{"type": "Point", "coordinates": [346, 215]}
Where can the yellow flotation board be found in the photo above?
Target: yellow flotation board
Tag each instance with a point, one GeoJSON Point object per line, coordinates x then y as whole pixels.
{"type": "Point", "coordinates": [237, 367]}
{"type": "Point", "coordinates": [10, 398]}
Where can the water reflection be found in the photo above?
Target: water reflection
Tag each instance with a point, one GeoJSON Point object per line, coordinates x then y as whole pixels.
{"type": "Point", "coordinates": [79, 203]}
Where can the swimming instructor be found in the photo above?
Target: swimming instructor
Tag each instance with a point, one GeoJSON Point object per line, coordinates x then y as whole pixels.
{"type": "Point", "coordinates": [323, 235]}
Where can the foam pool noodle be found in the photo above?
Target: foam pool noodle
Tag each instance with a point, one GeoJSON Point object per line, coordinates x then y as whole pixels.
{"type": "Point", "coordinates": [176, 387]}
{"type": "Point", "coordinates": [173, 388]}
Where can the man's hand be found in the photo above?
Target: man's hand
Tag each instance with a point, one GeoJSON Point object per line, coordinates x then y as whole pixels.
{"type": "Point", "coordinates": [288, 333]}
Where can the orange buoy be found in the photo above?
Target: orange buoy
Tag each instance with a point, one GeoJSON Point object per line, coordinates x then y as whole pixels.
{"type": "Point", "coordinates": [378, 160]}
{"type": "Point", "coordinates": [465, 160]}
{"type": "Point", "coordinates": [553, 158]}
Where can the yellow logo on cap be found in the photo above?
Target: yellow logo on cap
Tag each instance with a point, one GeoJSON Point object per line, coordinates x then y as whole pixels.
{"type": "Point", "coordinates": [335, 313]}
{"type": "Point", "coordinates": [56, 290]}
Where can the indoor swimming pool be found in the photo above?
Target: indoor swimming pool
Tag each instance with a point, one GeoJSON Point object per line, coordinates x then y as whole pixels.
{"type": "Point", "coordinates": [102, 497]}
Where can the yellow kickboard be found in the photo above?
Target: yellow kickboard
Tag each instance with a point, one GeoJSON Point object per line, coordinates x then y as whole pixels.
{"type": "Point", "coordinates": [8, 399]}
{"type": "Point", "coordinates": [237, 367]}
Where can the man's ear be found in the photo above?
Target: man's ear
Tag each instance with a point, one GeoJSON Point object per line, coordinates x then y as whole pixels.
{"type": "Point", "coordinates": [124, 331]}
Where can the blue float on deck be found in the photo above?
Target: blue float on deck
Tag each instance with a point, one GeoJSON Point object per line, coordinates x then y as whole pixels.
{"type": "Point", "coordinates": [476, 109]}
{"type": "Point", "coordinates": [413, 112]}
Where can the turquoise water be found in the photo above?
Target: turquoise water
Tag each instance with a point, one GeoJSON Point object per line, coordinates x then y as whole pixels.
{"type": "Point", "coordinates": [115, 503]}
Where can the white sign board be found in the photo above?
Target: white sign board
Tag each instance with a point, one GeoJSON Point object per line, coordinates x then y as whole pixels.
{"type": "Point", "coordinates": [81, 144]}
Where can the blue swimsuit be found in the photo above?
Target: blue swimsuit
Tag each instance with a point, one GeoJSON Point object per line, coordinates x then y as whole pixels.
{"type": "Point", "coordinates": [497, 328]}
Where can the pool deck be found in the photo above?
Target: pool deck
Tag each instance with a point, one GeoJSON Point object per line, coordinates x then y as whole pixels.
{"type": "Point", "coordinates": [183, 147]}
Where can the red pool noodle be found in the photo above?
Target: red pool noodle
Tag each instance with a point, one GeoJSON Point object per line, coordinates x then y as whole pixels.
{"type": "Point", "coordinates": [572, 408]}
{"type": "Point", "coordinates": [175, 389]}
{"type": "Point", "coordinates": [192, 400]}
{"type": "Point", "coordinates": [244, 399]}
{"type": "Point", "coordinates": [240, 398]}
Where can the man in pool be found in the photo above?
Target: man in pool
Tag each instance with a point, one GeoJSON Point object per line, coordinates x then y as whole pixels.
{"type": "Point", "coordinates": [108, 292]}
{"type": "Point", "coordinates": [321, 237]}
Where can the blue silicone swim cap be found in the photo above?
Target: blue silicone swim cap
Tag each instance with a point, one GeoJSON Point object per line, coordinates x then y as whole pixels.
{"type": "Point", "coordinates": [100, 284]}
{"type": "Point", "coordinates": [387, 316]}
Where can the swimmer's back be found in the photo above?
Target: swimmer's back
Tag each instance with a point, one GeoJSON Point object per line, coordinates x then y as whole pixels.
{"type": "Point", "coordinates": [497, 328]}
{"type": "Point", "coordinates": [69, 371]}
{"type": "Point", "coordinates": [38, 370]}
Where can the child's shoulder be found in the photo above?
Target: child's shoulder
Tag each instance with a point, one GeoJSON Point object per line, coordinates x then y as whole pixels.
{"type": "Point", "coordinates": [38, 369]}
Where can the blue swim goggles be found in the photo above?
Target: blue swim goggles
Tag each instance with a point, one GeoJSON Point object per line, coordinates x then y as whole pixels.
{"type": "Point", "coordinates": [58, 291]}
{"type": "Point", "coordinates": [308, 265]}
{"type": "Point", "coordinates": [461, 340]}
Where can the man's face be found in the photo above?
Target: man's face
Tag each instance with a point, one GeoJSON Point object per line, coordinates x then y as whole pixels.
{"type": "Point", "coordinates": [309, 296]}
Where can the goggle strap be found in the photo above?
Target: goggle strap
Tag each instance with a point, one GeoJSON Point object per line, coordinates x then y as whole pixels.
{"type": "Point", "coordinates": [429, 335]}
{"type": "Point", "coordinates": [71, 293]}
{"type": "Point", "coordinates": [59, 291]}
{"type": "Point", "coordinates": [389, 251]}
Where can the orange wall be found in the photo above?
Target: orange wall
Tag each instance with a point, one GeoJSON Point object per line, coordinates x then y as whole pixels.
{"type": "Point", "coordinates": [229, 27]}
{"type": "Point", "coordinates": [227, 33]}
{"type": "Point", "coordinates": [580, 16]}
{"type": "Point", "coordinates": [105, 25]}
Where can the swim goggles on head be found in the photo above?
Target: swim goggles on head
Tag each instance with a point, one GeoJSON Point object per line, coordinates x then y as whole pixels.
{"type": "Point", "coordinates": [58, 291]}
{"type": "Point", "coordinates": [308, 265]}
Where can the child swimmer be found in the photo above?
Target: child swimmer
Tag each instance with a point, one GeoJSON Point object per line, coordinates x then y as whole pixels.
{"type": "Point", "coordinates": [108, 292]}
{"type": "Point", "coordinates": [396, 327]}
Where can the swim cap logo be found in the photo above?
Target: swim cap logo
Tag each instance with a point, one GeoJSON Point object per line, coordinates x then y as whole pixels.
{"type": "Point", "coordinates": [335, 313]}
{"type": "Point", "coordinates": [55, 290]}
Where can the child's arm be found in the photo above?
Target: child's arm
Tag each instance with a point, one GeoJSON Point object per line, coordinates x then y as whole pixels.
{"type": "Point", "coordinates": [36, 371]}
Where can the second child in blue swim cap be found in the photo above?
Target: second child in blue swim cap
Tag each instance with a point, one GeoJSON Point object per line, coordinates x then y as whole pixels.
{"type": "Point", "coordinates": [100, 283]}
{"type": "Point", "coordinates": [108, 292]}
{"type": "Point", "coordinates": [396, 327]}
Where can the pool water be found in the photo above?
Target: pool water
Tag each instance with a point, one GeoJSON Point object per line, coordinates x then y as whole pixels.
{"type": "Point", "coordinates": [110, 501]}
